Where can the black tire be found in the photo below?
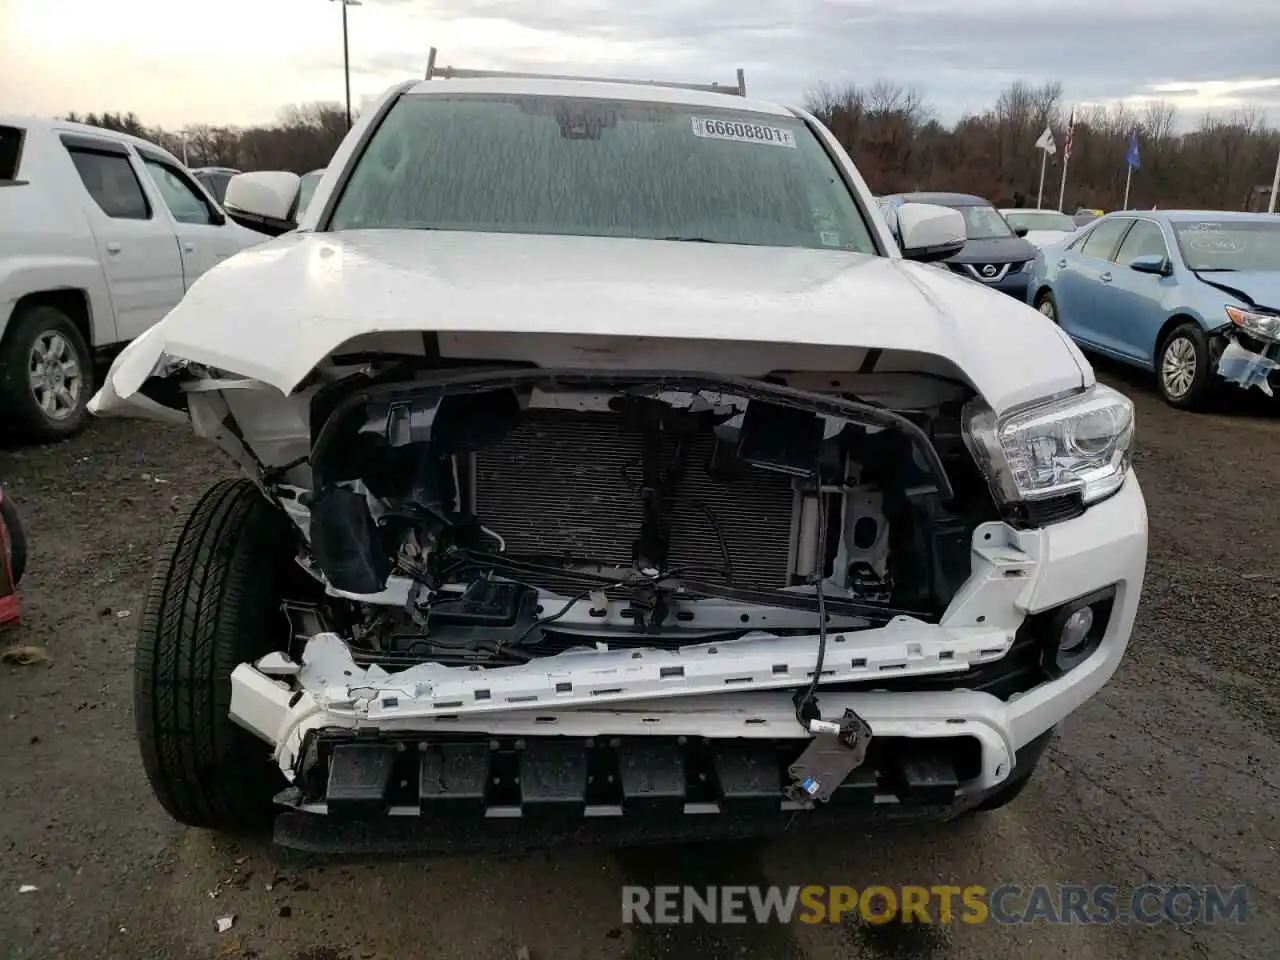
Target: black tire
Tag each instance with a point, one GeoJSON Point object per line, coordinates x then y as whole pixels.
{"type": "Point", "coordinates": [21, 414]}
{"type": "Point", "coordinates": [17, 539]}
{"type": "Point", "coordinates": [213, 603]}
{"type": "Point", "coordinates": [1181, 341]}
{"type": "Point", "coordinates": [1048, 306]}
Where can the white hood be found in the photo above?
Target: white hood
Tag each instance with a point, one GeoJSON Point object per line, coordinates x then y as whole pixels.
{"type": "Point", "coordinates": [274, 312]}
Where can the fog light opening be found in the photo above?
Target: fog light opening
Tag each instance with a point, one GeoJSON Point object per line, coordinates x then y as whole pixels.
{"type": "Point", "coordinates": [1072, 632]}
{"type": "Point", "coordinates": [1075, 632]}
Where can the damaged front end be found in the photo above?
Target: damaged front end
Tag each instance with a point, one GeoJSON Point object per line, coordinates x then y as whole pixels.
{"type": "Point", "coordinates": [602, 592]}
{"type": "Point", "coordinates": [1251, 354]}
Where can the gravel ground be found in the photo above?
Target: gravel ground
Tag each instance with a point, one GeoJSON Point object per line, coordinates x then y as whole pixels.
{"type": "Point", "coordinates": [1170, 775]}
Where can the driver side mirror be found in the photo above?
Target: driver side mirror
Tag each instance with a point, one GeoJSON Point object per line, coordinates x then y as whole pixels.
{"type": "Point", "coordinates": [265, 201]}
{"type": "Point", "coordinates": [1154, 264]}
{"type": "Point", "coordinates": [928, 232]}
{"type": "Point", "coordinates": [1020, 231]}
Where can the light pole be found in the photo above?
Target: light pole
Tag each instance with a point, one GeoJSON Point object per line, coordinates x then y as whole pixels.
{"type": "Point", "coordinates": [346, 57]}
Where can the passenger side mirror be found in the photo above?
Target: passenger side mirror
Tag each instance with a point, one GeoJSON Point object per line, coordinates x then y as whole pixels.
{"type": "Point", "coordinates": [1160, 266]}
{"type": "Point", "coordinates": [265, 201]}
{"type": "Point", "coordinates": [1020, 231]}
{"type": "Point", "coordinates": [928, 232]}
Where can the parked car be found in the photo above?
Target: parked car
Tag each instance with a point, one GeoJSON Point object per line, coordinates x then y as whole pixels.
{"type": "Point", "coordinates": [101, 234]}
{"type": "Point", "coordinates": [1193, 296]}
{"type": "Point", "coordinates": [215, 180]}
{"type": "Point", "coordinates": [995, 254]}
{"type": "Point", "coordinates": [611, 469]}
{"type": "Point", "coordinates": [1043, 227]}
{"type": "Point", "coordinates": [1085, 215]}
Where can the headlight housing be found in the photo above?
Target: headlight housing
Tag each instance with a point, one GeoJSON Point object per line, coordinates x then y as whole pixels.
{"type": "Point", "coordinates": [1080, 444]}
{"type": "Point", "coordinates": [1264, 326]}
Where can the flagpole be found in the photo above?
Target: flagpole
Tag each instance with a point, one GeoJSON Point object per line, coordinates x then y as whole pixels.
{"type": "Point", "coordinates": [1066, 158]}
{"type": "Point", "coordinates": [1275, 186]}
{"type": "Point", "coordinates": [1128, 177]}
{"type": "Point", "coordinates": [1044, 159]}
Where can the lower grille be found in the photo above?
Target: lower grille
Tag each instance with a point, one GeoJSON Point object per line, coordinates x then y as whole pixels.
{"type": "Point", "coordinates": [567, 482]}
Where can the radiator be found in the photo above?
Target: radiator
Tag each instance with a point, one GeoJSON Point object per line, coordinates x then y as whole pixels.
{"type": "Point", "coordinates": [567, 482]}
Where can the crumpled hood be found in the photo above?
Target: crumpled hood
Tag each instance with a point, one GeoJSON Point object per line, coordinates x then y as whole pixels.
{"type": "Point", "coordinates": [1261, 288]}
{"type": "Point", "coordinates": [273, 312]}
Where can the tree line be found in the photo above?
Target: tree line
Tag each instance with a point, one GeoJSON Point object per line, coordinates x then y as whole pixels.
{"type": "Point", "coordinates": [899, 144]}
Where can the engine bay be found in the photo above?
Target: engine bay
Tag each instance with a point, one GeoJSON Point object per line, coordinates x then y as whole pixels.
{"type": "Point", "coordinates": [482, 516]}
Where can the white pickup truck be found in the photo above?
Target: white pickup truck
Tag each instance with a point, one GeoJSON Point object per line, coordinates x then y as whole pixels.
{"type": "Point", "coordinates": [101, 234]}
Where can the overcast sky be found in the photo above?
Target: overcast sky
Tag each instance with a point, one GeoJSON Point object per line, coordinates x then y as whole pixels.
{"type": "Point", "coordinates": [175, 62]}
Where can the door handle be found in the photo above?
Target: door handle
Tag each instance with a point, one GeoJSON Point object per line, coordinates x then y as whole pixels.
{"type": "Point", "coordinates": [188, 247]}
{"type": "Point", "coordinates": [113, 247]}
{"type": "Point", "coordinates": [1106, 277]}
{"type": "Point", "coordinates": [1062, 264]}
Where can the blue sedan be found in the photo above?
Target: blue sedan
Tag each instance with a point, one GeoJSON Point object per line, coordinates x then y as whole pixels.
{"type": "Point", "coordinates": [1191, 296]}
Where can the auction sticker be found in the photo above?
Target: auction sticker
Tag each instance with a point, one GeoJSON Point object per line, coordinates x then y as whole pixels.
{"type": "Point", "coordinates": [743, 132]}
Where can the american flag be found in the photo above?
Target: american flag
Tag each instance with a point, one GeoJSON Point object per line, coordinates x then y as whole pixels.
{"type": "Point", "coordinates": [1071, 127]}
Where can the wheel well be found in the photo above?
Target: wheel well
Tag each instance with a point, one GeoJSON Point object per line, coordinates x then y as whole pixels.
{"type": "Point", "coordinates": [1040, 295]}
{"type": "Point", "coordinates": [1170, 325]}
{"type": "Point", "coordinates": [74, 303]}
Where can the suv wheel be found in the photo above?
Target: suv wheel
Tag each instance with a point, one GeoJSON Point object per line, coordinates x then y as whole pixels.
{"type": "Point", "coordinates": [213, 603]}
{"type": "Point", "coordinates": [46, 376]}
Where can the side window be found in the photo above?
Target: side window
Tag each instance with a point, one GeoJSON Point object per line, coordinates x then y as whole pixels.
{"type": "Point", "coordinates": [110, 180]}
{"type": "Point", "coordinates": [181, 197]}
{"type": "Point", "coordinates": [1144, 240]}
{"type": "Point", "coordinates": [10, 153]}
{"type": "Point", "coordinates": [1103, 239]}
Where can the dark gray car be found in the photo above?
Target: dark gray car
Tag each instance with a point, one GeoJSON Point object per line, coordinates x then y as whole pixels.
{"type": "Point", "coordinates": [995, 255]}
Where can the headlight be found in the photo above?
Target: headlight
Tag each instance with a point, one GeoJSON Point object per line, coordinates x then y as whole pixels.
{"type": "Point", "coordinates": [1078, 444]}
{"type": "Point", "coordinates": [1264, 326]}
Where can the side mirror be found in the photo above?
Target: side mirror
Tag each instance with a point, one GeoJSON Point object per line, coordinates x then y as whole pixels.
{"type": "Point", "coordinates": [1020, 231]}
{"type": "Point", "coordinates": [265, 201]}
{"type": "Point", "coordinates": [928, 233]}
{"type": "Point", "coordinates": [1160, 266]}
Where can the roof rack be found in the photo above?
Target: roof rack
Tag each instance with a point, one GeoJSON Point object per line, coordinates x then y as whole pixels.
{"type": "Point", "coordinates": [738, 90]}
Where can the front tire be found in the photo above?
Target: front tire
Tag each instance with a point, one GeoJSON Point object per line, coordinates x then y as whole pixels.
{"type": "Point", "coordinates": [1048, 307]}
{"type": "Point", "coordinates": [1183, 362]}
{"type": "Point", "coordinates": [17, 539]}
{"type": "Point", "coordinates": [46, 376]}
{"type": "Point", "coordinates": [213, 603]}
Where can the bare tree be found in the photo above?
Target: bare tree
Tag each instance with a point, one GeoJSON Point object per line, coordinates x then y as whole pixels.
{"type": "Point", "coordinates": [897, 142]}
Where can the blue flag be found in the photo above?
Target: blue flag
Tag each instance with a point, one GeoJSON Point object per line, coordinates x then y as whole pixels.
{"type": "Point", "coordinates": [1132, 158]}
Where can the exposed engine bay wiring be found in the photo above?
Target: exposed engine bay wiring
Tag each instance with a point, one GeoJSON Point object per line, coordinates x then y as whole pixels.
{"type": "Point", "coordinates": [806, 704]}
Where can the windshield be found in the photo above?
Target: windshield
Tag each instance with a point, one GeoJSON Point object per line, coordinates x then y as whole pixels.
{"type": "Point", "coordinates": [1245, 245]}
{"type": "Point", "coordinates": [306, 189]}
{"type": "Point", "coordinates": [608, 168]}
{"type": "Point", "coordinates": [1040, 220]}
{"type": "Point", "coordinates": [983, 222]}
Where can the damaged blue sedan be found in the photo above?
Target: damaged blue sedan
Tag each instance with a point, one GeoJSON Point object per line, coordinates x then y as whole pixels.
{"type": "Point", "coordinates": [1193, 296]}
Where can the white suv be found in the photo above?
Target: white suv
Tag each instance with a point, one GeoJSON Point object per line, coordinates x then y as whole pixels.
{"type": "Point", "coordinates": [101, 234]}
{"type": "Point", "coordinates": [608, 467]}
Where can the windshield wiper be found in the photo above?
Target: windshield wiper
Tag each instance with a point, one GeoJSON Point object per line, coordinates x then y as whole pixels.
{"type": "Point", "coordinates": [690, 240]}
{"type": "Point", "coordinates": [1217, 270]}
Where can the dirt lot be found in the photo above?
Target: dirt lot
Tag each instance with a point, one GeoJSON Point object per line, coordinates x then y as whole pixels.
{"type": "Point", "coordinates": [1171, 775]}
